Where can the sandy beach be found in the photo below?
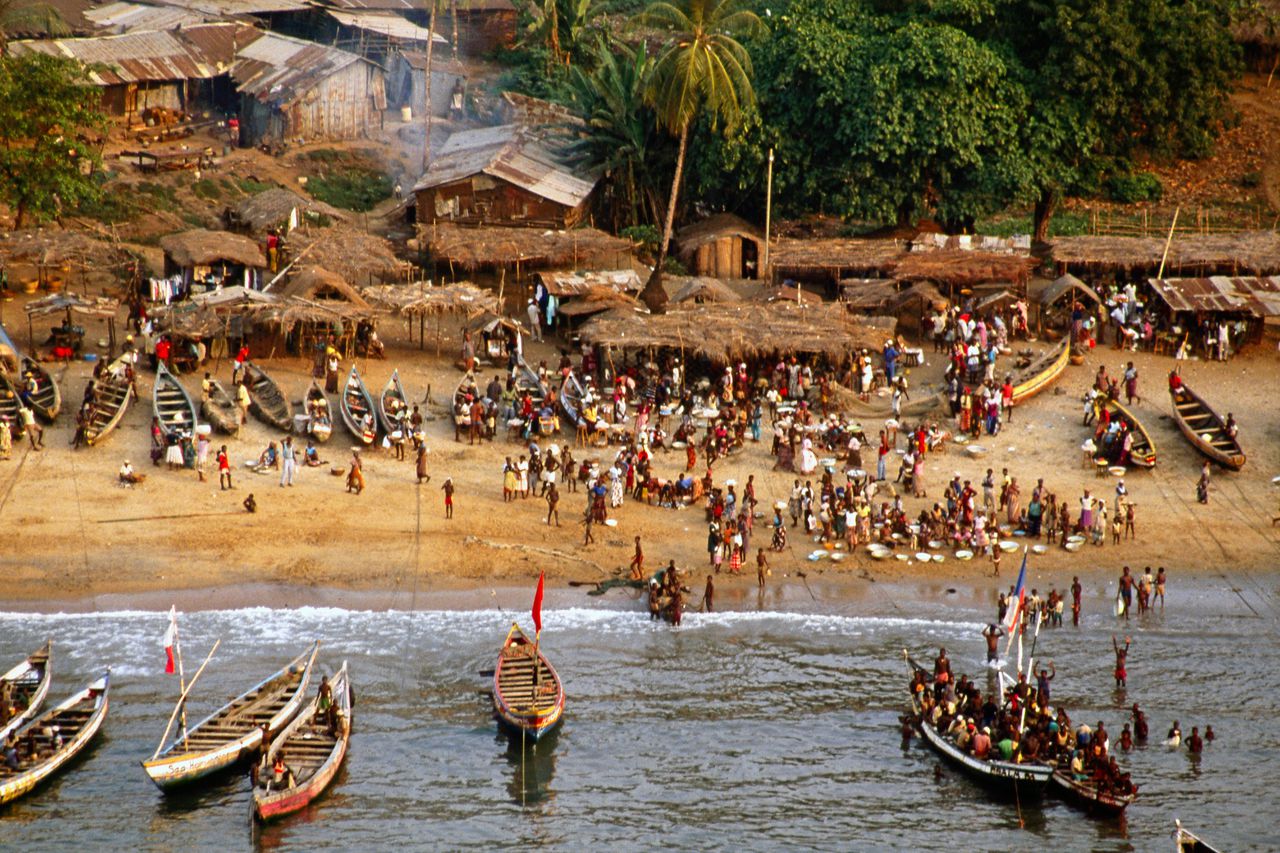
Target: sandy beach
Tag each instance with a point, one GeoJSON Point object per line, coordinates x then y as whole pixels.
{"type": "Point", "coordinates": [76, 539]}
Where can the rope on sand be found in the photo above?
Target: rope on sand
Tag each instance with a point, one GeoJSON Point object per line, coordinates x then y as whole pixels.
{"type": "Point", "coordinates": [533, 549]}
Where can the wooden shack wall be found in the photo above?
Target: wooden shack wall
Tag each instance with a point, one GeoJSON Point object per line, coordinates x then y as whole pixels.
{"type": "Point", "coordinates": [344, 105]}
{"type": "Point", "coordinates": [407, 87]}
{"type": "Point", "coordinates": [481, 199]}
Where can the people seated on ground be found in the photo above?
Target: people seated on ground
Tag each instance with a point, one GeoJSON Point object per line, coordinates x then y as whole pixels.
{"type": "Point", "coordinates": [128, 476]}
{"type": "Point", "coordinates": [269, 459]}
{"type": "Point", "coordinates": [311, 456]}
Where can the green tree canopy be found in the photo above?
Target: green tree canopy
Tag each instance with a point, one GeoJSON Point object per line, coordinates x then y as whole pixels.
{"type": "Point", "coordinates": [50, 125]}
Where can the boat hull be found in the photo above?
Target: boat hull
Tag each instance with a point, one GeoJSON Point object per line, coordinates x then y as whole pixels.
{"type": "Point", "coordinates": [355, 386]}
{"type": "Point", "coordinates": [1086, 797]}
{"type": "Point", "coordinates": [1143, 454]}
{"type": "Point", "coordinates": [1232, 458]}
{"type": "Point", "coordinates": [35, 700]}
{"type": "Point", "coordinates": [1042, 379]}
{"type": "Point", "coordinates": [27, 782]}
{"type": "Point", "coordinates": [536, 717]}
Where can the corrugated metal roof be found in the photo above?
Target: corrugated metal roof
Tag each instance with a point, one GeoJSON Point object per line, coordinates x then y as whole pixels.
{"type": "Point", "coordinates": [282, 69]}
{"type": "Point", "coordinates": [128, 17]}
{"type": "Point", "coordinates": [1257, 296]}
{"type": "Point", "coordinates": [387, 25]}
{"type": "Point", "coordinates": [510, 153]}
{"type": "Point", "coordinates": [196, 53]}
{"type": "Point", "coordinates": [577, 283]}
{"type": "Point", "coordinates": [237, 8]}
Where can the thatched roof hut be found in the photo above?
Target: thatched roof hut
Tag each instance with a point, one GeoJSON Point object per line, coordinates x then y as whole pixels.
{"type": "Point", "coordinates": [786, 293]}
{"type": "Point", "coordinates": [724, 333]}
{"type": "Point", "coordinates": [963, 269]}
{"type": "Point", "coordinates": [1252, 252]}
{"type": "Point", "coordinates": [723, 245]}
{"type": "Point", "coordinates": [595, 299]}
{"type": "Point", "coordinates": [701, 288]}
{"type": "Point", "coordinates": [204, 248]}
{"type": "Point", "coordinates": [1060, 286]}
{"type": "Point", "coordinates": [278, 208]}
{"type": "Point", "coordinates": [833, 258]}
{"type": "Point", "coordinates": [316, 284]}
{"type": "Point", "coordinates": [357, 256]}
{"type": "Point", "coordinates": [867, 294]}
{"type": "Point", "coordinates": [422, 299]}
{"type": "Point", "coordinates": [473, 248]}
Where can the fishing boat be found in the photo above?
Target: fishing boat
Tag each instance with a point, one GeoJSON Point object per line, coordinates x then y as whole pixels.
{"type": "Point", "coordinates": [312, 751]}
{"type": "Point", "coordinates": [1189, 843]}
{"type": "Point", "coordinates": [1143, 452]}
{"type": "Point", "coordinates": [11, 406]}
{"type": "Point", "coordinates": [173, 407]}
{"type": "Point", "coordinates": [46, 402]}
{"type": "Point", "coordinates": [267, 402]}
{"type": "Point", "coordinates": [319, 415]}
{"type": "Point", "coordinates": [220, 410]}
{"type": "Point", "coordinates": [28, 685]}
{"type": "Point", "coordinates": [233, 732]}
{"type": "Point", "coordinates": [391, 401]}
{"type": "Point", "coordinates": [1042, 372]}
{"type": "Point", "coordinates": [1087, 795]}
{"type": "Point", "coordinates": [571, 394]}
{"type": "Point", "coordinates": [528, 380]}
{"type": "Point", "coordinates": [52, 740]}
{"type": "Point", "coordinates": [1023, 778]}
{"type": "Point", "coordinates": [1205, 428]}
{"type": "Point", "coordinates": [112, 392]}
{"type": "Point", "coordinates": [528, 698]}
{"type": "Point", "coordinates": [357, 409]}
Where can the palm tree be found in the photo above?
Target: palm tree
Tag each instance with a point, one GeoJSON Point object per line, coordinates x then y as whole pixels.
{"type": "Point", "coordinates": [702, 69]}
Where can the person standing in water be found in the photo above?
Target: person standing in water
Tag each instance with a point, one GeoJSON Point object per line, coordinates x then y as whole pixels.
{"type": "Point", "coordinates": [992, 635]}
{"type": "Point", "coordinates": [1122, 655]}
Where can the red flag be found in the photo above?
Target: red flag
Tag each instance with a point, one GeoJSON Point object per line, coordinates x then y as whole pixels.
{"type": "Point", "coordinates": [170, 637]}
{"type": "Point", "coordinates": [537, 603]}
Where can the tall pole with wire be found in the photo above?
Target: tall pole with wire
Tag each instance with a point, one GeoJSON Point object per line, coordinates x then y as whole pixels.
{"type": "Point", "coordinates": [768, 217]}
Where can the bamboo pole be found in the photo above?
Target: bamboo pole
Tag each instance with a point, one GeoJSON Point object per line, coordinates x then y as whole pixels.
{"type": "Point", "coordinates": [183, 698]}
{"type": "Point", "coordinates": [1168, 241]}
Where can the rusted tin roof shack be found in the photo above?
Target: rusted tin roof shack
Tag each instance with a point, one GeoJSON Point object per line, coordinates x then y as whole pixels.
{"type": "Point", "coordinates": [483, 26]}
{"type": "Point", "coordinates": [504, 175]}
{"type": "Point", "coordinates": [297, 91]}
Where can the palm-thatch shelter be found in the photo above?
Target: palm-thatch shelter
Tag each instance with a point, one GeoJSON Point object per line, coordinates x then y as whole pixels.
{"type": "Point", "coordinates": [957, 269]}
{"type": "Point", "coordinates": [700, 289]}
{"type": "Point", "coordinates": [724, 333]}
{"type": "Point", "coordinates": [787, 293]}
{"type": "Point", "coordinates": [494, 248]}
{"type": "Point", "coordinates": [1254, 253]}
{"type": "Point", "coordinates": [422, 299]}
{"type": "Point", "coordinates": [358, 256]}
{"type": "Point", "coordinates": [281, 209]}
{"type": "Point", "coordinates": [319, 285]}
{"type": "Point", "coordinates": [593, 300]}
{"type": "Point", "coordinates": [53, 259]}
{"type": "Point", "coordinates": [721, 246]}
{"type": "Point", "coordinates": [830, 259]}
{"type": "Point", "coordinates": [197, 255]}
{"type": "Point", "coordinates": [867, 295]}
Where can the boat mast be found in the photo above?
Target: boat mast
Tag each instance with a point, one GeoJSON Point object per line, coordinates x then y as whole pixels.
{"type": "Point", "coordinates": [181, 706]}
{"type": "Point", "coordinates": [182, 680]}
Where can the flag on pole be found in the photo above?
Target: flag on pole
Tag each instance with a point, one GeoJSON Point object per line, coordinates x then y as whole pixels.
{"type": "Point", "coordinates": [537, 603]}
{"type": "Point", "coordinates": [1013, 618]}
{"type": "Point", "coordinates": [170, 637]}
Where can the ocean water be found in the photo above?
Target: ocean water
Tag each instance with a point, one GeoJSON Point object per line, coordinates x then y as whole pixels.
{"type": "Point", "coordinates": [747, 730]}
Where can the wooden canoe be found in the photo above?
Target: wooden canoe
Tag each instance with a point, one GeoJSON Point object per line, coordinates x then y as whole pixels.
{"type": "Point", "coordinates": [527, 379]}
{"type": "Point", "coordinates": [232, 733]}
{"type": "Point", "coordinates": [356, 405]}
{"type": "Point", "coordinates": [11, 406]}
{"type": "Point", "coordinates": [220, 409]}
{"type": "Point", "coordinates": [267, 402]}
{"type": "Point", "coordinates": [111, 395]}
{"type": "Point", "coordinates": [51, 741]}
{"type": "Point", "coordinates": [312, 752]}
{"type": "Point", "coordinates": [1087, 795]}
{"type": "Point", "coordinates": [1143, 452]}
{"type": "Point", "coordinates": [1187, 842]}
{"type": "Point", "coordinates": [28, 685]}
{"type": "Point", "coordinates": [320, 422]}
{"type": "Point", "coordinates": [528, 698]}
{"type": "Point", "coordinates": [1205, 428]}
{"type": "Point", "coordinates": [46, 402]}
{"type": "Point", "coordinates": [1023, 778]}
{"type": "Point", "coordinates": [392, 400]}
{"type": "Point", "coordinates": [570, 398]}
{"type": "Point", "coordinates": [173, 406]}
{"type": "Point", "coordinates": [1042, 372]}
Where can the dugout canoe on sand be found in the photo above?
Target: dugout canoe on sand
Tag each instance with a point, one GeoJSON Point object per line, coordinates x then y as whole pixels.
{"type": "Point", "coordinates": [1205, 428]}
{"type": "Point", "coordinates": [1042, 372]}
{"type": "Point", "coordinates": [28, 685]}
{"type": "Point", "coordinates": [52, 740]}
{"type": "Point", "coordinates": [1143, 452]}
{"type": "Point", "coordinates": [319, 415]}
{"type": "Point", "coordinates": [220, 410]}
{"type": "Point", "coordinates": [391, 401]}
{"type": "Point", "coordinates": [267, 401]}
{"type": "Point", "coordinates": [571, 393]}
{"type": "Point", "coordinates": [10, 406]}
{"type": "Point", "coordinates": [173, 406]}
{"type": "Point", "coordinates": [233, 732]}
{"type": "Point", "coordinates": [312, 751]}
{"type": "Point", "coordinates": [111, 395]}
{"type": "Point", "coordinates": [46, 402]}
{"type": "Point", "coordinates": [357, 409]}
